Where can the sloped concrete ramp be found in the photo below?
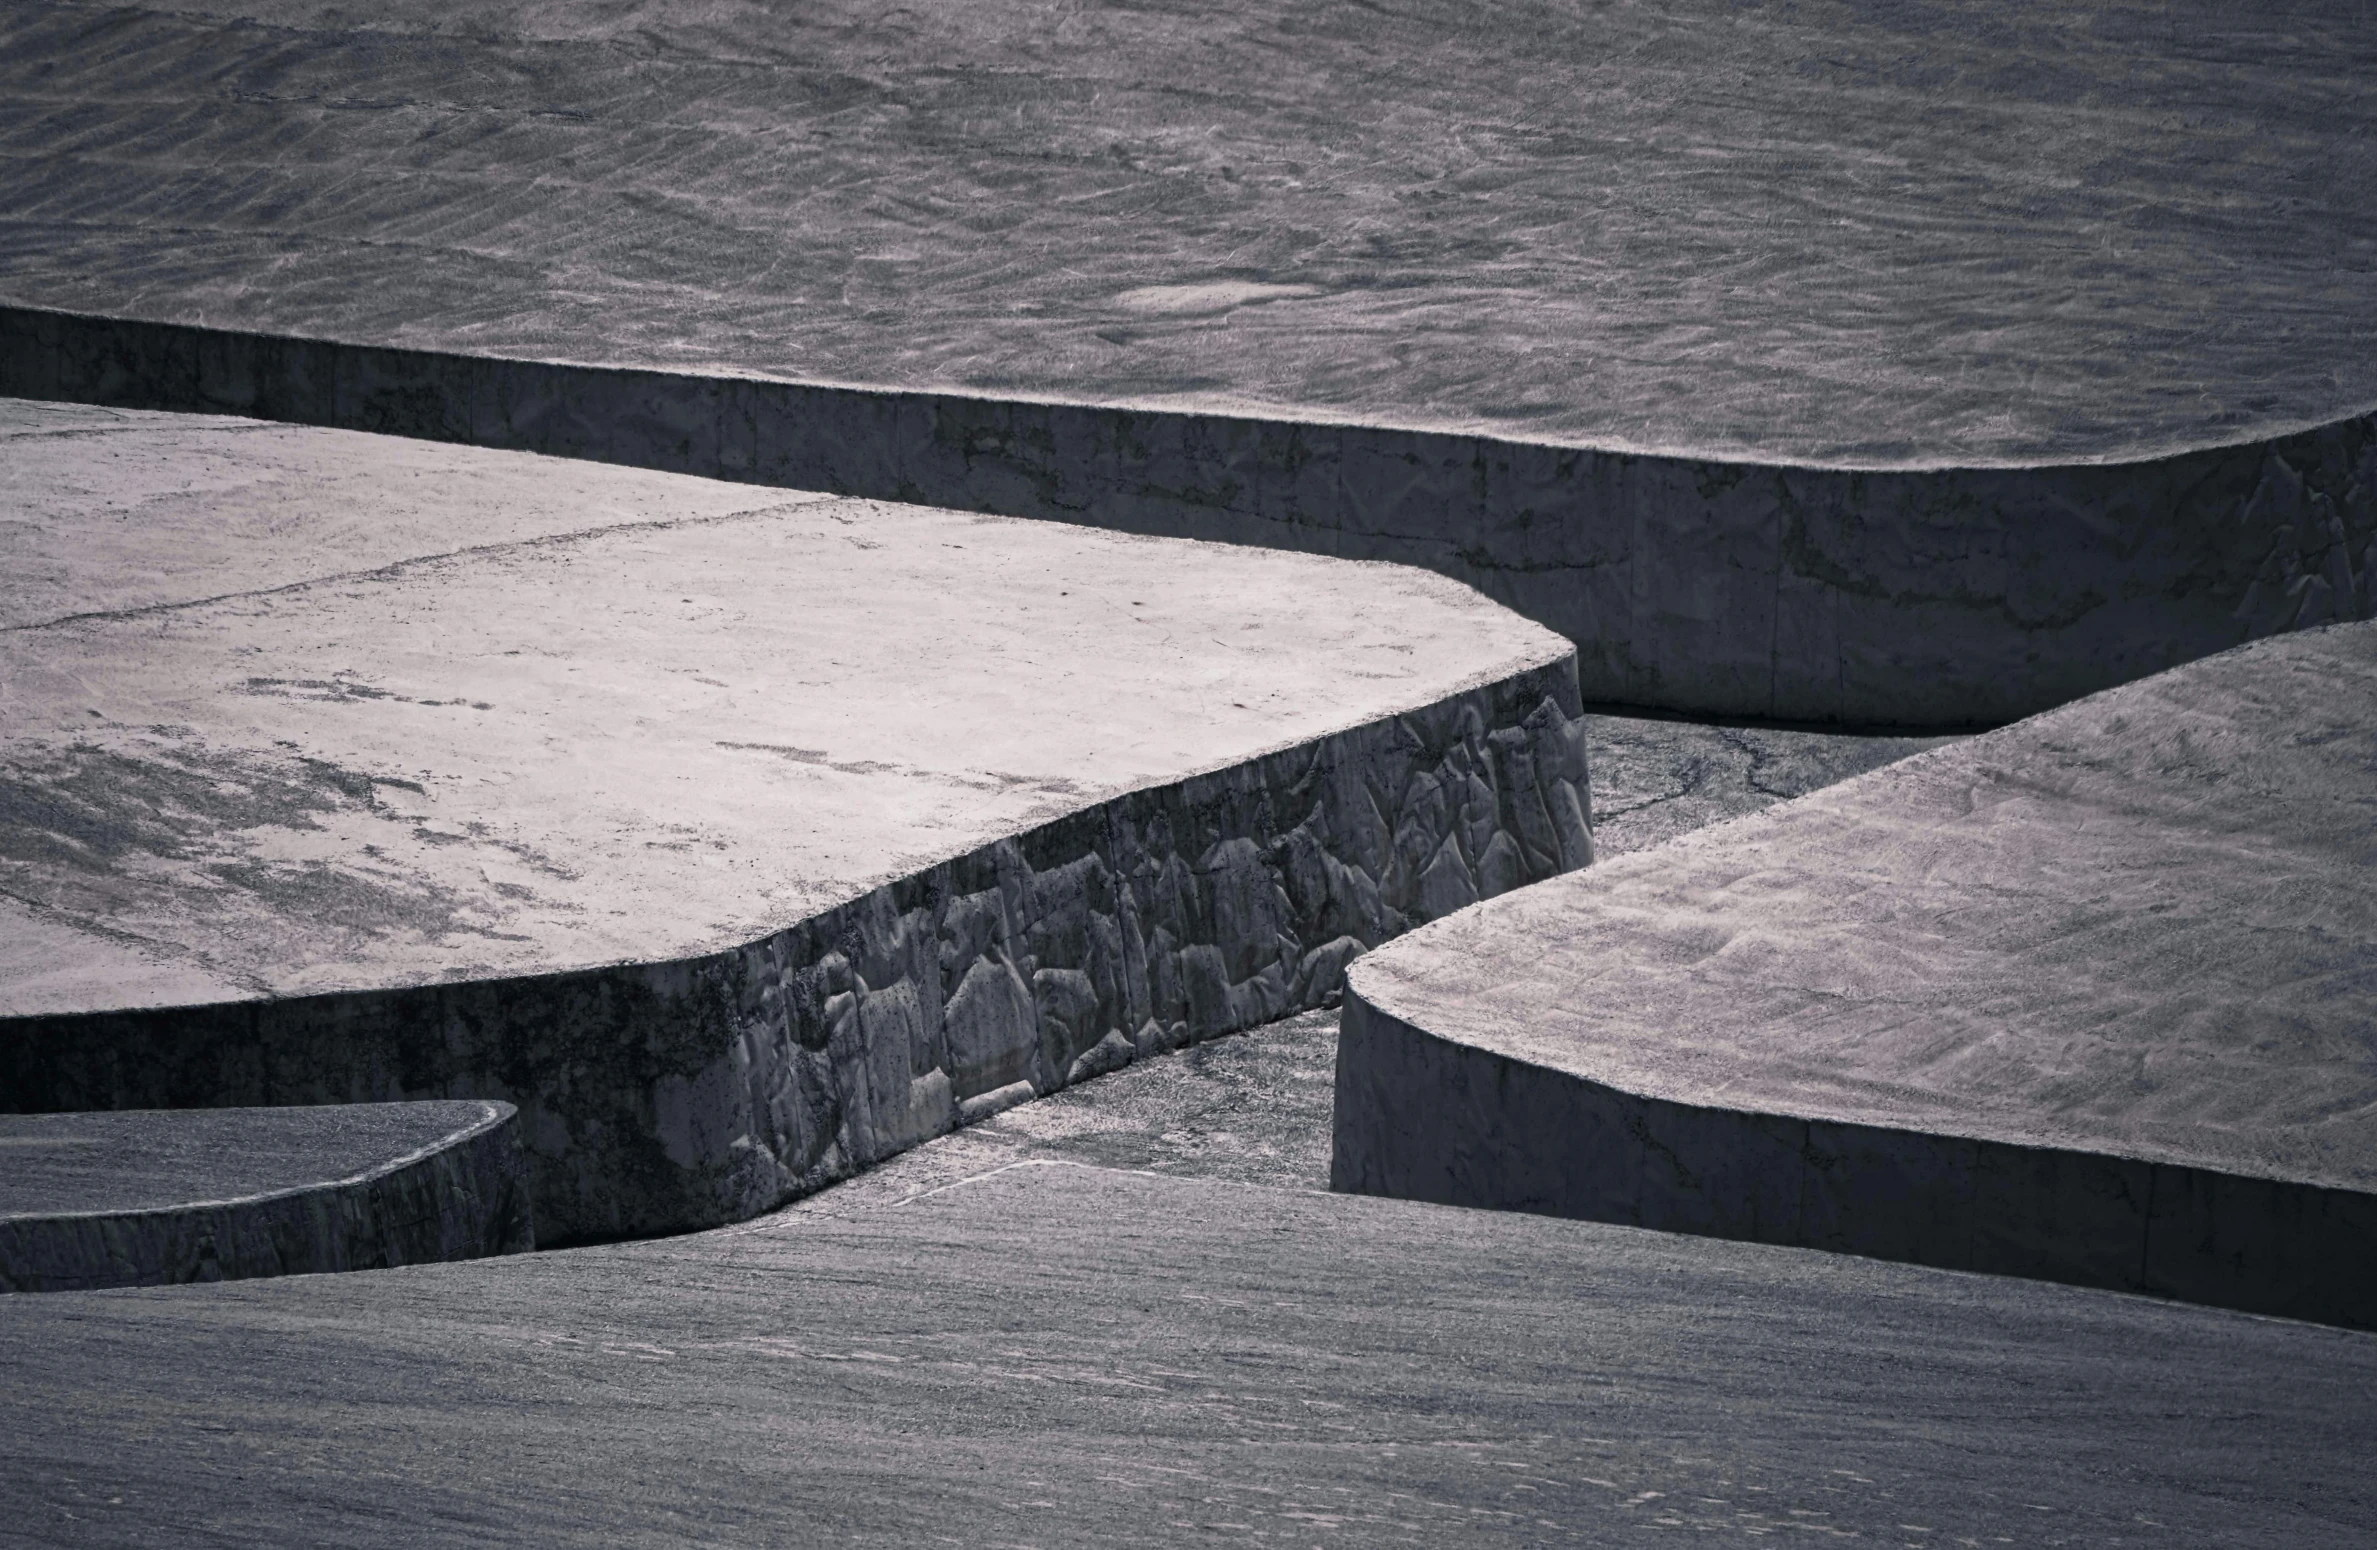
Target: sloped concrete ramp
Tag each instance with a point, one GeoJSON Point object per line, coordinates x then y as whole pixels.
{"type": "Point", "coordinates": [148, 1199]}
{"type": "Point", "coordinates": [2086, 998]}
{"type": "Point", "coordinates": [1072, 1356]}
{"type": "Point", "coordinates": [740, 839]}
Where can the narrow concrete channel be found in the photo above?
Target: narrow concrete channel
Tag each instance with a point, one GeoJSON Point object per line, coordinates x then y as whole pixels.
{"type": "Point", "coordinates": [1254, 1108]}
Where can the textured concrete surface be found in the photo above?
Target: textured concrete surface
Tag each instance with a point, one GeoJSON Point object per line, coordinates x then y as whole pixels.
{"type": "Point", "coordinates": [377, 656]}
{"type": "Point", "coordinates": [155, 1198]}
{"type": "Point", "coordinates": [739, 840]}
{"type": "Point", "coordinates": [1867, 234]}
{"type": "Point", "coordinates": [1635, 319]}
{"type": "Point", "coordinates": [1256, 1108]}
{"type": "Point", "coordinates": [1060, 1355]}
{"type": "Point", "coordinates": [2085, 997]}
{"type": "Point", "coordinates": [1954, 597]}
{"type": "Point", "coordinates": [128, 1161]}
{"type": "Point", "coordinates": [1656, 780]}
{"type": "Point", "coordinates": [113, 512]}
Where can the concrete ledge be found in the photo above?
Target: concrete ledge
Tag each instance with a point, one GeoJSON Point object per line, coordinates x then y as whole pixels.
{"type": "Point", "coordinates": [739, 848]}
{"type": "Point", "coordinates": [659, 1096]}
{"type": "Point", "coordinates": [1922, 598]}
{"type": "Point", "coordinates": [1421, 1117]}
{"type": "Point", "coordinates": [2085, 998]}
{"type": "Point", "coordinates": [461, 1195]}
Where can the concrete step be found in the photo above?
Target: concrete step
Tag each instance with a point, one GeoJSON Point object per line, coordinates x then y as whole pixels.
{"type": "Point", "coordinates": [738, 837]}
{"type": "Point", "coordinates": [1810, 365]}
{"type": "Point", "coordinates": [150, 1198]}
{"type": "Point", "coordinates": [2085, 998]}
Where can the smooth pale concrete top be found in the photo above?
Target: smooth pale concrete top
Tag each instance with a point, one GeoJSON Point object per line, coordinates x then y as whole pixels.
{"type": "Point", "coordinates": [2144, 924]}
{"type": "Point", "coordinates": [317, 710]}
{"type": "Point", "coordinates": [1073, 1357]}
{"type": "Point", "coordinates": [148, 1159]}
{"type": "Point", "coordinates": [1967, 232]}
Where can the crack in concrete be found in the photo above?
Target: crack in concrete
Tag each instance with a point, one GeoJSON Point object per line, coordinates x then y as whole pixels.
{"type": "Point", "coordinates": [396, 568]}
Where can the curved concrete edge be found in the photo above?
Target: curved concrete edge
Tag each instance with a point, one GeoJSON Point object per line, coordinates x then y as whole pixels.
{"type": "Point", "coordinates": [465, 1196]}
{"type": "Point", "coordinates": [665, 1096]}
{"type": "Point", "coordinates": [1939, 598]}
{"type": "Point", "coordinates": [1420, 1117]}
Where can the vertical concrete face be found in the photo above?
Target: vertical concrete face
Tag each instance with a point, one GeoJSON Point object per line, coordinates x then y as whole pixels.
{"type": "Point", "coordinates": [667, 1096]}
{"type": "Point", "coordinates": [1421, 1117]}
{"type": "Point", "coordinates": [1951, 597]}
{"type": "Point", "coordinates": [2083, 999]}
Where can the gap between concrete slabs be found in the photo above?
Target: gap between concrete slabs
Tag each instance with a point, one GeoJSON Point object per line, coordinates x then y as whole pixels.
{"type": "Point", "coordinates": [1920, 598]}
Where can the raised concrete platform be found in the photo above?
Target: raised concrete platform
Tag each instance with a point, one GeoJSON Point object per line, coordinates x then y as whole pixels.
{"type": "Point", "coordinates": [154, 1198]}
{"type": "Point", "coordinates": [1067, 1356]}
{"type": "Point", "coordinates": [1831, 365]}
{"type": "Point", "coordinates": [2086, 998]}
{"type": "Point", "coordinates": [739, 839]}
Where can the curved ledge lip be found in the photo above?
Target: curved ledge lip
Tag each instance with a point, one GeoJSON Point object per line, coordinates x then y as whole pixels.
{"type": "Point", "coordinates": [1807, 1113]}
{"type": "Point", "coordinates": [494, 1112]}
{"type": "Point", "coordinates": [1501, 672]}
{"type": "Point", "coordinates": [2073, 1143]}
{"type": "Point", "coordinates": [1265, 413]}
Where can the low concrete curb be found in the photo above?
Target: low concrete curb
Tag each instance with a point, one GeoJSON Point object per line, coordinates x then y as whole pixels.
{"type": "Point", "coordinates": [1420, 1117]}
{"type": "Point", "coordinates": [1919, 598]}
{"type": "Point", "coordinates": [463, 1197]}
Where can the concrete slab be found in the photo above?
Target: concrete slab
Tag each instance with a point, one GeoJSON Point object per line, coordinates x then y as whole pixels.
{"type": "Point", "coordinates": [2087, 997]}
{"type": "Point", "coordinates": [1842, 366]}
{"type": "Point", "coordinates": [738, 838]}
{"type": "Point", "coordinates": [1061, 1355]}
{"type": "Point", "coordinates": [154, 1198]}
{"type": "Point", "coordinates": [1974, 235]}
{"type": "Point", "coordinates": [113, 512]}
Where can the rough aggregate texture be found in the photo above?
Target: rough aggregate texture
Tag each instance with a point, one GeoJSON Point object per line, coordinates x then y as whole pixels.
{"type": "Point", "coordinates": [1657, 780]}
{"type": "Point", "coordinates": [2084, 997]}
{"type": "Point", "coordinates": [1072, 1356]}
{"type": "Point", "coordinates": [1256, 1108]}
{"type": "Point", "coordinates": [739, 845]}
{"type": "Point", "coordinates": [154, 1199]}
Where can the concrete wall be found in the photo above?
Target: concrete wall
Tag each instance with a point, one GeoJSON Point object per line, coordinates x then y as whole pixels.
{"type": "Point", "coordinates": [1421, 1117]}
{"type": "Point", "coordinates": [1938, 599]}
{"type": "Point", "coordinates": [463, 1199]}
{"type": "Point", "coordinates": [675, 1095]}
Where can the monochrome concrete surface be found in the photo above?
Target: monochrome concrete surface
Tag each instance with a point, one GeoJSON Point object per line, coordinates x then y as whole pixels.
{"type": "Point", "coordinates": [2087, 998]}
{"type": "Point", "coordinates": [1834, 365]}
{"type": "Point", "coordinates": [738, 839]}
{"type": "Point", "coordinates": [1969, 234]}
{"type": "Point", "coordinates": [152, 1198]}
{"type": "Point", "coordinates": [1123, 773]}
{"type": "Point", "coordinates": [1256, 1107]}
{"type": "Point", "coordinates": [1066, 1355]}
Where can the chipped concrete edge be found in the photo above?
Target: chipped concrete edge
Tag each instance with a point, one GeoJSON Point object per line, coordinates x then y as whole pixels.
{"type": "Point", "coordinates": [1938, 598]}
{"type": "Point", "coordinates": [1421, 1116]}
{"type": "Point", "coordinates": [659, 1097]}
{"type": "Point", "coordinates": [462, 1196]}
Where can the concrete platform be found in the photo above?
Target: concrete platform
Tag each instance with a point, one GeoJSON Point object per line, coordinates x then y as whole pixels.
{"type": "Point", "coordinates": [1831, 365]}
{"type": "Point", "coordinates": [155, 1198]}
{"type": "Point", "coordinates": [1257, 1108]}
{"type": "Point", "coordinates": [740, 839]}
{"type": "Point", "coordinates": [2086, 998]}
{"type": "Point", "coordinates": [1062, 1356]}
